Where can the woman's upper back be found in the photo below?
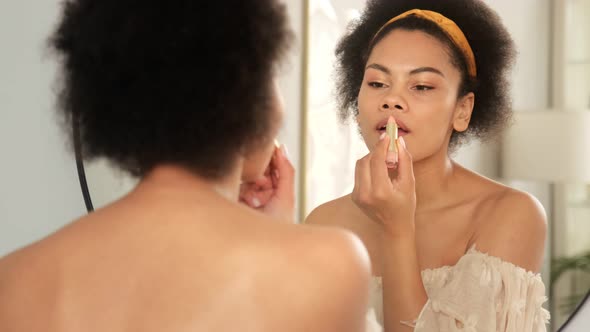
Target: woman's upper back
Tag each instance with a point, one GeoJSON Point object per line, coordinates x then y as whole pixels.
{"type": "Point", "coordinates": [190, 262]}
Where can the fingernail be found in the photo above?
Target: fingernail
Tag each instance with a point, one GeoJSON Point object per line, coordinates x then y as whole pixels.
{"type": "Point", "coordinates": [276, 173]}
{"type": "Point", "coordinates": [256, 202]}
{"type": "Point", "coordinates": [391, 159]}
{"type": "Point", "coordinates": [285, 151]}
{"type": "Point", "coordinates": [382, 136]}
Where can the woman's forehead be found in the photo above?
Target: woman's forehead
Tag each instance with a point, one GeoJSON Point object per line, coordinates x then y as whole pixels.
{"type": "Point", "coordinates": [407, 50]}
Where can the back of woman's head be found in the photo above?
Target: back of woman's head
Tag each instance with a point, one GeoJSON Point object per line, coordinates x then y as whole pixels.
{"type": "Point", "coordinates": [181, 81]}
{"type": "Point", "coordinates": [491, 43]}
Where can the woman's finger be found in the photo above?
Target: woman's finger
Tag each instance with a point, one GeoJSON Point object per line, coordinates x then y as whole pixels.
{"type": "Point", "coordinates": [284, 174]}
{"type": "Point", "coordinates": [251, 199]}
{"type": "Point", "coordinates": [405, 164]}
{"type": "Point", "coordinates": [379, 170]}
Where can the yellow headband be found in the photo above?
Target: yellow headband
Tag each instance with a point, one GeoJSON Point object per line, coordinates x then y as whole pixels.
{"type": "Point", "coordinates": [449, 27]}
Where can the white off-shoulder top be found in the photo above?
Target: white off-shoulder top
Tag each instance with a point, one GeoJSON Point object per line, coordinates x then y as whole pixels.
{"type": "Point", "coordinates": [480, 293]}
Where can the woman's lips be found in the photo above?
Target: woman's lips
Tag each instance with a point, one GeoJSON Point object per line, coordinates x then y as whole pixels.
{"type": "Point", "coordinates": [400, 132]}
{"type": "Point", "coordinates": [402, 129]}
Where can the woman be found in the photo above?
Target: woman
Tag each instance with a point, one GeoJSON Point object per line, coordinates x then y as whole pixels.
{"type": "Point", "coordinates": [181, 94]}
{"type": "Point", "coordinates": [450, 249]}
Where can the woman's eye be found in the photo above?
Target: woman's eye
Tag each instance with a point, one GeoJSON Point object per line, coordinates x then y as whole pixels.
{"type": "Point", "coordinates": [423, 88]}
{"type": "Point", "coordinates": [376, 85]}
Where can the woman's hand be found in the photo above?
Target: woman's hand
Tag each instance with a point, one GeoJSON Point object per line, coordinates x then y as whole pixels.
{"type": "Point", "coordinates": [387, 196]}
{"type": "Point", "coordinates": [274, 193]}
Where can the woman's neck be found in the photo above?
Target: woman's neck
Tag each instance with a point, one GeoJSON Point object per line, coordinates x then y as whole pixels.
{"type": "Point", "coordinates": [434, 177]}
{"type": "Point", "coordinates": [177, 178]}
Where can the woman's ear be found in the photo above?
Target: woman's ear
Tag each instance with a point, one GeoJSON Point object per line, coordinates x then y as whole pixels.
{"type": "Point", "coordinates": [463, 112]}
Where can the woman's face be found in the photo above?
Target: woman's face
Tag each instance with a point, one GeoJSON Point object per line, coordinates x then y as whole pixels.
{"type": "Point", "coordinates": [258, 158]}
{"type": "Point", "coordinates": [409, 75]}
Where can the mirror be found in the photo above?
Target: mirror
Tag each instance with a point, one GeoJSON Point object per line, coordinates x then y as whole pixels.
{"type": "Point", "coordinates": [100, 182]}
{"type": "Point", "coordinates": [579, 319]}
{"type": "Point", "coordinates": [554, 34]}
{"type": "Point", "coordinates": [553, 41]}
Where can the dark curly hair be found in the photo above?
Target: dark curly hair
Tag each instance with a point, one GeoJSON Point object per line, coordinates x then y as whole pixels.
{"type": "Point", "coordinates": [182, 81]}
{"type": "Point", "coordinates": [491, 43]}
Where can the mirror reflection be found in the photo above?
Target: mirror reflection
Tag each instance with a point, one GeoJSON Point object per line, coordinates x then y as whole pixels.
{"type": "Point", "coordinates": [553, 165]}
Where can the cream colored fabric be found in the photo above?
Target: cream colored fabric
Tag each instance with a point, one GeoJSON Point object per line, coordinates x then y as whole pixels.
{"type": "Point", "coordinates": [480, 293]}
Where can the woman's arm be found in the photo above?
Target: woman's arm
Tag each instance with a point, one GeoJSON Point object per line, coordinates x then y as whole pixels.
{"type": "Point", "coordinates": [391, 203]}
{"type": "Point", "coordinates": [403, 292]}
{"type": "Point", "coordinates": [515, 230]}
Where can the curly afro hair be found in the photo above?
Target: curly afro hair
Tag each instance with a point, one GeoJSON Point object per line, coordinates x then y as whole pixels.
{"type": "Point", "coordinates": [185, 82]}
{"type": "Point", "coordinates": [491, 43]}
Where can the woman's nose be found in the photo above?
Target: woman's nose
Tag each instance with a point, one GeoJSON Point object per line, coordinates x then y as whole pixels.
{"type": "Point", "coordinates": [398, 106]}
{"type": "Point", "coordinates": [394, 100]}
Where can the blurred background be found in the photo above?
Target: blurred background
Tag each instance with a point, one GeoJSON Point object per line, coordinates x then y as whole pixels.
{"type": "Point", "coordinates": [546, 152]}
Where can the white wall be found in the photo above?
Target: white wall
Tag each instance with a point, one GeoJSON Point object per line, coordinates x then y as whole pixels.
{"type": "Point", "coordinates": [529, 22]}
{"type": "Point", "coordinates": [39, 191]}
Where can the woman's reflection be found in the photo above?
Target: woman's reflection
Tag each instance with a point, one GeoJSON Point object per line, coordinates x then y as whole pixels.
{"type": "Point", "coordinates": [450, 249]}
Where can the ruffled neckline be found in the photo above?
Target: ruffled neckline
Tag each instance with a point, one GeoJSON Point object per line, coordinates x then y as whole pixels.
{"type": "Point", "coordinates": [474, 252]}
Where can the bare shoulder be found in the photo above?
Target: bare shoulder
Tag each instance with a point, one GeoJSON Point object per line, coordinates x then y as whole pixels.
{"type": "Point", "coordinates": [333, 212]}
{"type": "Point", "coordinates": [8, 266]}
{"type": "Point", "coordinates": [306, 278]}
{"type": "Point", "coordinates": [325, 252]}
{"type": "Point", "coordinates": [515, 228]}
{"type": "Point", "coordinates": [7, 287]}
{"type": "Point", "coordinates": [22, 291]}
{"type": "Point", "coordinates": [332, 272]}
{"type": "Point", "coordinates": [330, 244]}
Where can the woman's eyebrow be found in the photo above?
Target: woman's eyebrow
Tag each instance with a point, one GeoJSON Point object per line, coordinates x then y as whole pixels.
{"type": "Point", "coordinates": [418, 70]}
